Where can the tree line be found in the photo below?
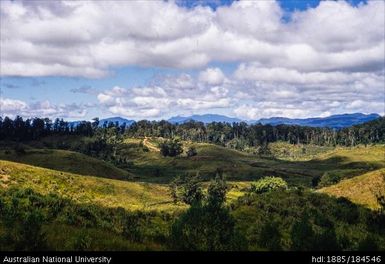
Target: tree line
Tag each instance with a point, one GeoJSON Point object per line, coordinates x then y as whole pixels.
{"type": "Point", "coordinates": [236, 135]}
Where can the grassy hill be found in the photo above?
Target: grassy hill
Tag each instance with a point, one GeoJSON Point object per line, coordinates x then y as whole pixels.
{"type": "Point", "coordinates": [64, 160]}
{"type": "Point", "coordinates": [86, 189]}
{"type": "Point", "coordinates": [360, 189]}
{"type": "Point", "coordinates": [290, 163]}
{"type": "Point", "coordinates": [95, 199]}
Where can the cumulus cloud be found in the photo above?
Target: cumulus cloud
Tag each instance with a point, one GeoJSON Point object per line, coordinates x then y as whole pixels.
{"type": "Point", "coordinates": [322, 60]}
{"type": "Point", "coordinates": [12, 107]}
{"type": "Point", "coordinates": [165, 96]}
{"type": "Point", "coordinates": [87, 38]}
{"type": "Point", "coordinates": [212, 76]}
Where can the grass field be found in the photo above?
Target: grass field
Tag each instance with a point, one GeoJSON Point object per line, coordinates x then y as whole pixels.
{"type": "Point", "coordinates": [143, 184]}
{"type": "Point", "coordinates": [104, 192]}
{"type": "Point", "coordinates": [361, 189]}
{"type": "Point", "coordinates": [87, 189]}
{"type": "Point", "coordinates": [66, 161]}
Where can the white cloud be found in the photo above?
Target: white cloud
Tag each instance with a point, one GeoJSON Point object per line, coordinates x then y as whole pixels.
{"type": "Point", "coordinates": [327, 59]}
{"type": "Point", "coordinates": [166, 96]}
{"type": "Point", "coordinates": [87, 38]}
{"type": "Point", "coordinates": [11, 107]}
{"type": "Point", "coordinates": [212, 76]}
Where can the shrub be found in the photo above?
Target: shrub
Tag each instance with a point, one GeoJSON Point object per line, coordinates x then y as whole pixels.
{"type": "Point", "coordinates": [329, 179]}
{"type": "Point", "coordinates": [132, 228]}
{"type": "Point", "coordinates": [192, 152]}
{"type": "Point", "coordinates": [302, 234]}
{"type": "Point", "coordinates": [270, 236]}
{"type": "Point", "coordinates": [207, 225]}
{"type": "Point", "coordinates": [171, 148]}
{"type": "Point", "coordinates": [82, 241]}
{"type": "Point", "coordinates": [268, 184]}
{"type": "Point", "coordinates": [205, 228]}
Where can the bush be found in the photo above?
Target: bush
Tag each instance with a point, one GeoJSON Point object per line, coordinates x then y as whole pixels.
{"type": "Point", "coordinates": [187, 189]}
{"type": "Point", "coordinates": [329, 179]}
{"type": "Point", "coordinates": [268, 184]}
{"type": "Point", "coordinates": [207, 225]}
{"type": "Point", "coordinates": [270, 236]}
{"type": "Point", "coordinates": [206, 228]}
{"type": "Point", "coordinates": [192, 152]}
{"type": "Point", "coordinates": [171, 148]}
{"type": "Point", "coordinates": [302, 235]}
{"type": "Point", "coordinates": [82, 241]}
{"type": "Point", "coordinates": [132, 228]}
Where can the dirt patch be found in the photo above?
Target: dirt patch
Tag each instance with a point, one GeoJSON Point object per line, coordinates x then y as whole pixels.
{"type": "Point", "coordinates": [149, 145]}
{"type": "Point", "coordinates": [4, 180]}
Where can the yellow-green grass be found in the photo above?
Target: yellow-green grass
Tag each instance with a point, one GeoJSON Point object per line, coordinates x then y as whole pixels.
{"type": "Point", "coordinates": [241, 166]}
{"type": "Point", "coordinates": [361, 189]}
{"type": "Point", "coordinates": [237, 190]}
{"type": "Point", "coordinates": [64, 160]}
{"type": "Point", "coordinates": [360, 153]}
{"type": "Point", "coordinates": [88, 189]}
{"type": "Point", "coordinates": [300, 152]}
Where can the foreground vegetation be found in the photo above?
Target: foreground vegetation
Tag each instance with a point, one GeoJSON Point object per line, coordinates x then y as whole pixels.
{"type": "Point", "coordinates": [140, 188]}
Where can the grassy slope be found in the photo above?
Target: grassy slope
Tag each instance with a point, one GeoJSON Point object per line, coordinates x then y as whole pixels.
{"type": "Point", "coordinates": [239, 166]}
{"type": "Point", "coordinates": [87, 189]}
{"type": "Point", "coordinates": [361, 189]}
{"type": "Point", "coordinates": [68, 161]}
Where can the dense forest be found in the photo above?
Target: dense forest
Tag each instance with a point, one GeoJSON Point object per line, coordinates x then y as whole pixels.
{"type": "Point", "coordinates": [236, 135]}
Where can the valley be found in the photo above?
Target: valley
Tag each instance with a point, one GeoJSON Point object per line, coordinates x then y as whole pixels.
{"type": "Point", "coordinates": [130, 195]}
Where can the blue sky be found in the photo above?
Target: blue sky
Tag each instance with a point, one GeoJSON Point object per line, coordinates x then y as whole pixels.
{"type": "Point", "coordinates": [249, 60]}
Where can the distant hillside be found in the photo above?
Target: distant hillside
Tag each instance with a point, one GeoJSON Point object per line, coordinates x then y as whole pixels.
{"type": "Point", "coordinates": [207, 118]}
{"type": "Point", "coordinates": [68, 161]}
{"type": "Point", "coordinates": [120, 121]}
{"type": "Point", "coordinates": [360, 189]}
{"type": "Point", "coordinates": [334, 121]}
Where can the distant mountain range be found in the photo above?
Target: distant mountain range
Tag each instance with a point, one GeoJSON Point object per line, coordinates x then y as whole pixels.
{"type": "Point", "coordinates": [118, 119]}
{"type": "Point", "coordinates": [333, 121]}
{"type": "Point", "coordinates": [207, 118]}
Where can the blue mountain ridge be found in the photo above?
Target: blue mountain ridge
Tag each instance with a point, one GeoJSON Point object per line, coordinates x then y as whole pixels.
{"type": "Point", "coordinates": [333, 121]}
{"type": "Point", "coordinates": [207, 118]}
{"type": "Point", "coordinates": [118, 119]}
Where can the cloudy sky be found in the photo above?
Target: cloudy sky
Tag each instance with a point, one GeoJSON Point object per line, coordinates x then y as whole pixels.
{"type": "Point", "coordinates": [157, 59]}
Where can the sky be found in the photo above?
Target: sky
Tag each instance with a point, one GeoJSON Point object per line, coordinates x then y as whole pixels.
{"type": "Point", "coordinates": [156, 59]}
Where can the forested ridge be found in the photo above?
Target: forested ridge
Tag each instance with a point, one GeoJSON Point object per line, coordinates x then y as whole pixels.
{"type": "Point", "coordinates": [236, 135]}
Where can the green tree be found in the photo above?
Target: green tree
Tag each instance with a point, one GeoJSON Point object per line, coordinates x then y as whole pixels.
{"type": "Point", "coordinates": [187, 189]}
{"type": "Point", "coordinates": [207, 226]}
{"type": "Point", "coordinates": [171, 148]}
{"type": "Point", "coordinates": [302, 235]}
{"type": "Point", "coordinates": [270, 236]}
{"type": "Point", "coordinates": [268, 184]}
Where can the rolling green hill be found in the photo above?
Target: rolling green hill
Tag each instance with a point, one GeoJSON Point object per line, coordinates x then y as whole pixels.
{"type": "Point", "coordinates": [86, 189]}
{"type": "Point", "coordinates": [240, 166]}
{"type": "Point", "coordinates": [64, 160]}
{"type": "Point", "coordinates": [360, 189]}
